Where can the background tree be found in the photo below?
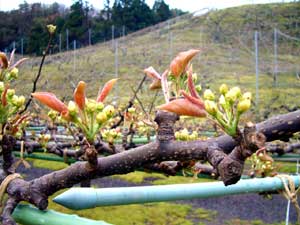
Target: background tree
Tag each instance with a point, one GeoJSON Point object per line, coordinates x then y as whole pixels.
{"type": "Point", "coordinates": [161, 11]}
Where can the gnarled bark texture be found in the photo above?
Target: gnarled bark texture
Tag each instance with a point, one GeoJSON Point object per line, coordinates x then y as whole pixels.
{"type": "Point", "coordinates": [226, 155]}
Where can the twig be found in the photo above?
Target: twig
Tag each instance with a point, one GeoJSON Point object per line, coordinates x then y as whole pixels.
{"type": "Point", "coordinates": [45, 52]}
{"type": "Point", "coordinates": [141, 104]}
{"type": "Point", "coordinates": [130, 103]}
{"type": "Point", "coordinates": [153, 101]}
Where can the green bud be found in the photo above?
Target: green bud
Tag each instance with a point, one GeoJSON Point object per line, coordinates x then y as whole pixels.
{"type": "Point", "coordinates": [198, 88]}
{"type": "Point", "coordinates": [101, 118]}
{"type": "Point", "coordinates": [113, 133]}
{"type": "Point", "coordinates": [185, 132]}
{"type": "Point", "coordinates": [10, 93]}
{"type": "Point", "coordinates": [211, 107]}
{"type": "Point", "coordinates": [91, 106]}
{"type": "Point", "coordinates": [14, 100]}
{"type": "Point", "coordinates": [209, 95]}
{"type": "Point", "coordinates": [237, 91]}
{"type": "Point", "coordinates": [243, 106]}
{"type": "Point", "coordinates": [232, 95]}
{"type": "Point", "coordinates": [13, 74]}
{"type": "Point", "coordinates": [109, 111]}
{"type": "Point", "coordinates": [99, 106]}
{"type": "Point", "coordinates": [52, 114]}
{"type": "Point", "coordinates": [21, 101]}
{"type": "Point", "coordinates": [222, 101]}
{"type": "Point", "coordinates": [51, 28]}
{"type": "Point", "coordinates": [131, 110]}
{"type": "Point", "coordinates": [223, 89]}
{"type": "Point", "coordinates": [72, 108]}
{"type": "Point", "coordinates": [247, 95]}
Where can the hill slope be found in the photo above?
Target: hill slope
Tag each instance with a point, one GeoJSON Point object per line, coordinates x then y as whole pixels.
{"type": "Point", "coordinates": [228, 56]}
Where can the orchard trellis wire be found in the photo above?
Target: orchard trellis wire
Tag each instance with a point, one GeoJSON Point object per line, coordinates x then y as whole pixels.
{"type": "Point", "coordinates": [265, 71]}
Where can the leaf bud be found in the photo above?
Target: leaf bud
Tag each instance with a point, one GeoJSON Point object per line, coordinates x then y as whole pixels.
{"type": "Point", "coordinates": [13, 74]}
{"type": "Point", "coordinates": [52, 114]}
{"type": "Point", "coordinates": [131, 110]}
{"type": "Point", "coordinates": [101, 118]}
{"type": "Point", "coordinates": [222, 101]}
{"type": "Point", "coordinates": [109, 111]}
{"type": "Point", "coordinates": [211, 107]}
{"type": "Point", "coordinates": [10, 93]}
{"type": "Point", "coordinates": [91, 106]}
{"type": "Point", "coordinates": [14, 100]}
{"type": "Point", "coordinates": [51, 28]}
{"type": "Point", "coordinates": [198, 88]}
{"type": "Point", "coordinates": [243, 106]}
{"type": "Point", "coordinates": [99, 106]}
{"type": "Point", "coordinates": [247, 95]}
{"type": "Point", "coordinates": [21, 101]}
{"type": "Point", "coordinates": [233, 94]}
{"type": "Point", "coordinates": [72, 108]}
{"type": "Point", "coordinates": [209, 95]}
{"type": "Point", "coordinates": [223, 89]}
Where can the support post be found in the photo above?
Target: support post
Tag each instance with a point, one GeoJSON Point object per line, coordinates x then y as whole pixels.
{"type": "Point", "coordinates": [112, 36]}
{"type": "Point", "coordinates": [116, 62]}
{"type": "Point", "coordinates": [275, 73]}
{"type": "Point", "coordinates": [90, 36]}
{"type": "Point", "coordinates": [256, 69]}
{"type": "Point", "coordinates": [67, 39]}
{"type": "Point", "coordinates": [74, 56]}
{"type": "Point", "coordinates": [59, 42]}
{"type": "Point", "coordinates": [22, 46]}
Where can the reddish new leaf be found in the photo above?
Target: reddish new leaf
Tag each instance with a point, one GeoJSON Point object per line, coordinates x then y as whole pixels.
{"type": "Point", "coordinates": [106, 89]}
{"type": "Point", "coordinates": [183, 107]}
{"type": "Point", "coordinates": [151, 72]}
{"type": "Point", "coordinates": [156, 84]}
{"type": "Point", "coordinates": [165, 85]}
{"type": "Point", "coordinates": [197, 101]}
{"type": "Point", "coordinates": [79, 95]}
{"type": "Point", "coordinates": [191, 85]}
{"type": "Point", "coordinates": [51, 101]}
{"type": "Point", "coordinates": [180, 62]}
{"type": "Point", "coordinates": [3, 96]}
{"type": "Point", "coordinates": [3, 61]}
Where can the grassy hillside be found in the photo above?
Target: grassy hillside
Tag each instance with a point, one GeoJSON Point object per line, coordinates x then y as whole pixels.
{"type": "Point", "coordinates": [226, 40]}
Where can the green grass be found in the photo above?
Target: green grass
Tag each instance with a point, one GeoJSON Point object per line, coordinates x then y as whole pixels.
{"type": "Point", "coordinates": [51, 165]}
{"type": "Point", "coordinates": [230, 61]}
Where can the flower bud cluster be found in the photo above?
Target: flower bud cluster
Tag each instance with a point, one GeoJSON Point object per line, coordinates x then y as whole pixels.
{"type": "Point", "coordinates": [185, 135]}
{"type": "Point", "coordinates": [262, 164]}
{"type": "Point", "coordinates": [43, 140]}
{"type": "Point", "coordinates": [10, 103]}
{"type": "Point", "coordinates": [232, 103]}
{"type": "Point", "coordinates": [110, 135]}
{"type": "Point", "coordinates": [144, 129]}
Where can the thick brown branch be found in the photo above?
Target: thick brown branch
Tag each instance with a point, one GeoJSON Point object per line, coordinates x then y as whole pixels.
{"type": "Point", "coordinates": [165, 148]}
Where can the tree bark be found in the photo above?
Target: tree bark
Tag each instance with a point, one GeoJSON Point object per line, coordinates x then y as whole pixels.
{"type": "Point", "coordinates": [224, 153]}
